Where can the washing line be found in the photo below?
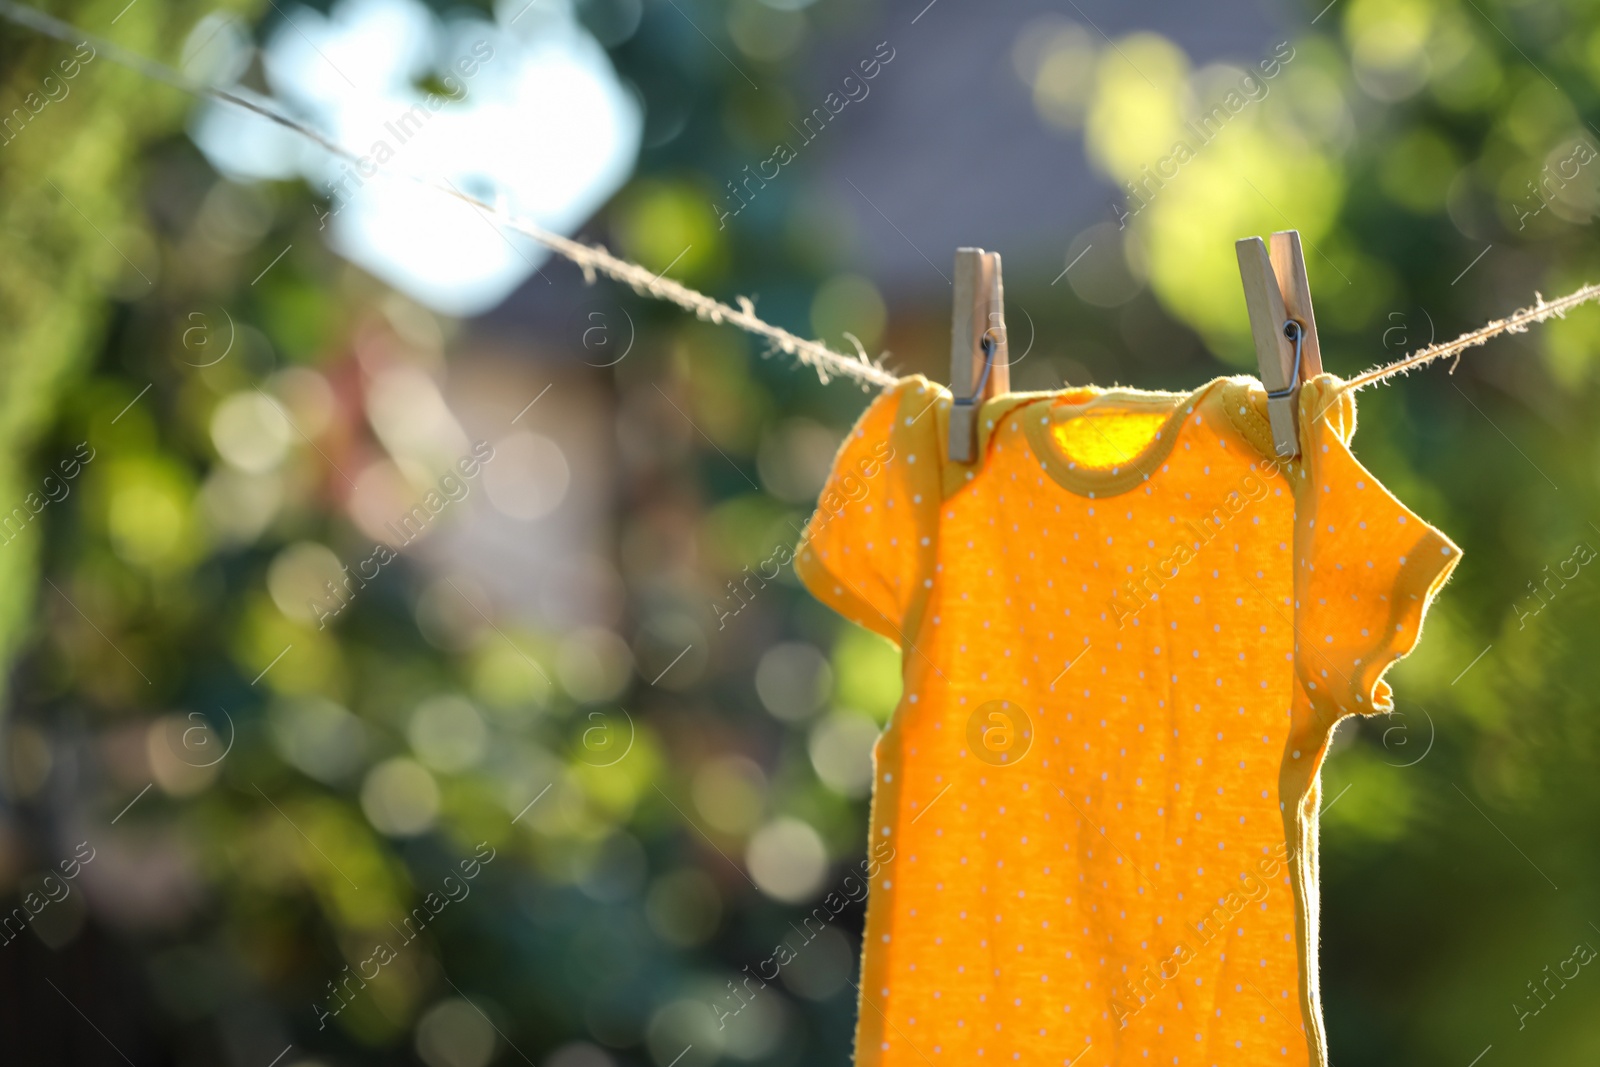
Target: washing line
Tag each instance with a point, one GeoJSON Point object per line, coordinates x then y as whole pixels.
{"type": "Point", "coordinates": [593, 259]}
{"type": "Point", "coordinates": [590, 259]}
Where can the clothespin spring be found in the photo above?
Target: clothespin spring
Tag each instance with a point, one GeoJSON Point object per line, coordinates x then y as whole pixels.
{"type": "Point", "coordinates": [1296, 333]}
{"type": "Point", "coordinates": [989, 348]}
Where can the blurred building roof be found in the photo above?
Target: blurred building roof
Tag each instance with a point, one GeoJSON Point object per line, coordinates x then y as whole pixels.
{"type": "Point", "coordinates": [945, 149]}
{"type": "Point", "coordinates": [949, 149]}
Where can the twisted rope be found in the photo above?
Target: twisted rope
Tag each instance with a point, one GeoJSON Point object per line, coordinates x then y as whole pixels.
{"type": "Point", "coordinates": [1518, 322]}
{"type": "Point", "coordinates": [591, 259]}
{"type": "Point", "coordinates": [594, 259]}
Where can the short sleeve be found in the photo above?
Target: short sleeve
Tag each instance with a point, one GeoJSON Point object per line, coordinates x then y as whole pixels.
{"type": "Point", "coordinates": [868, 550]}
{"type": "Point", "coordinates": [1367, 567]}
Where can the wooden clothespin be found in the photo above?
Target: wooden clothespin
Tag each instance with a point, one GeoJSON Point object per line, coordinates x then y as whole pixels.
{"type": "Point", "coordinates": [979, 359]}
{"type": "Point", "coordinates": [1279, 299]}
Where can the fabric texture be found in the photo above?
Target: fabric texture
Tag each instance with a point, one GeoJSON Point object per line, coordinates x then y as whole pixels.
{"type": "Point", "coordinates": [1127, 632]}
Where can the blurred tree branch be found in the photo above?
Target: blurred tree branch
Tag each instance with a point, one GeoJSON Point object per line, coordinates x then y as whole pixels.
{"type": "Point", "coordinates": [69, 191]}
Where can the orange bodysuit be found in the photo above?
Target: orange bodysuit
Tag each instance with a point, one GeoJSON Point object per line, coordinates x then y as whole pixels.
{"type": "Point", "coordinates": [1127, 632]}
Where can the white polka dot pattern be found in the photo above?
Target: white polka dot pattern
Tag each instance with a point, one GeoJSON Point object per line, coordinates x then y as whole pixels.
{"type": "Point", "coordinates": [1175, 631]}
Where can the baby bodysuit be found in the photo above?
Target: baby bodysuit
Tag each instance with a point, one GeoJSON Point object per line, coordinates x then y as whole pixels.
{"type": "Point", "coordinates": [1127, 632]}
